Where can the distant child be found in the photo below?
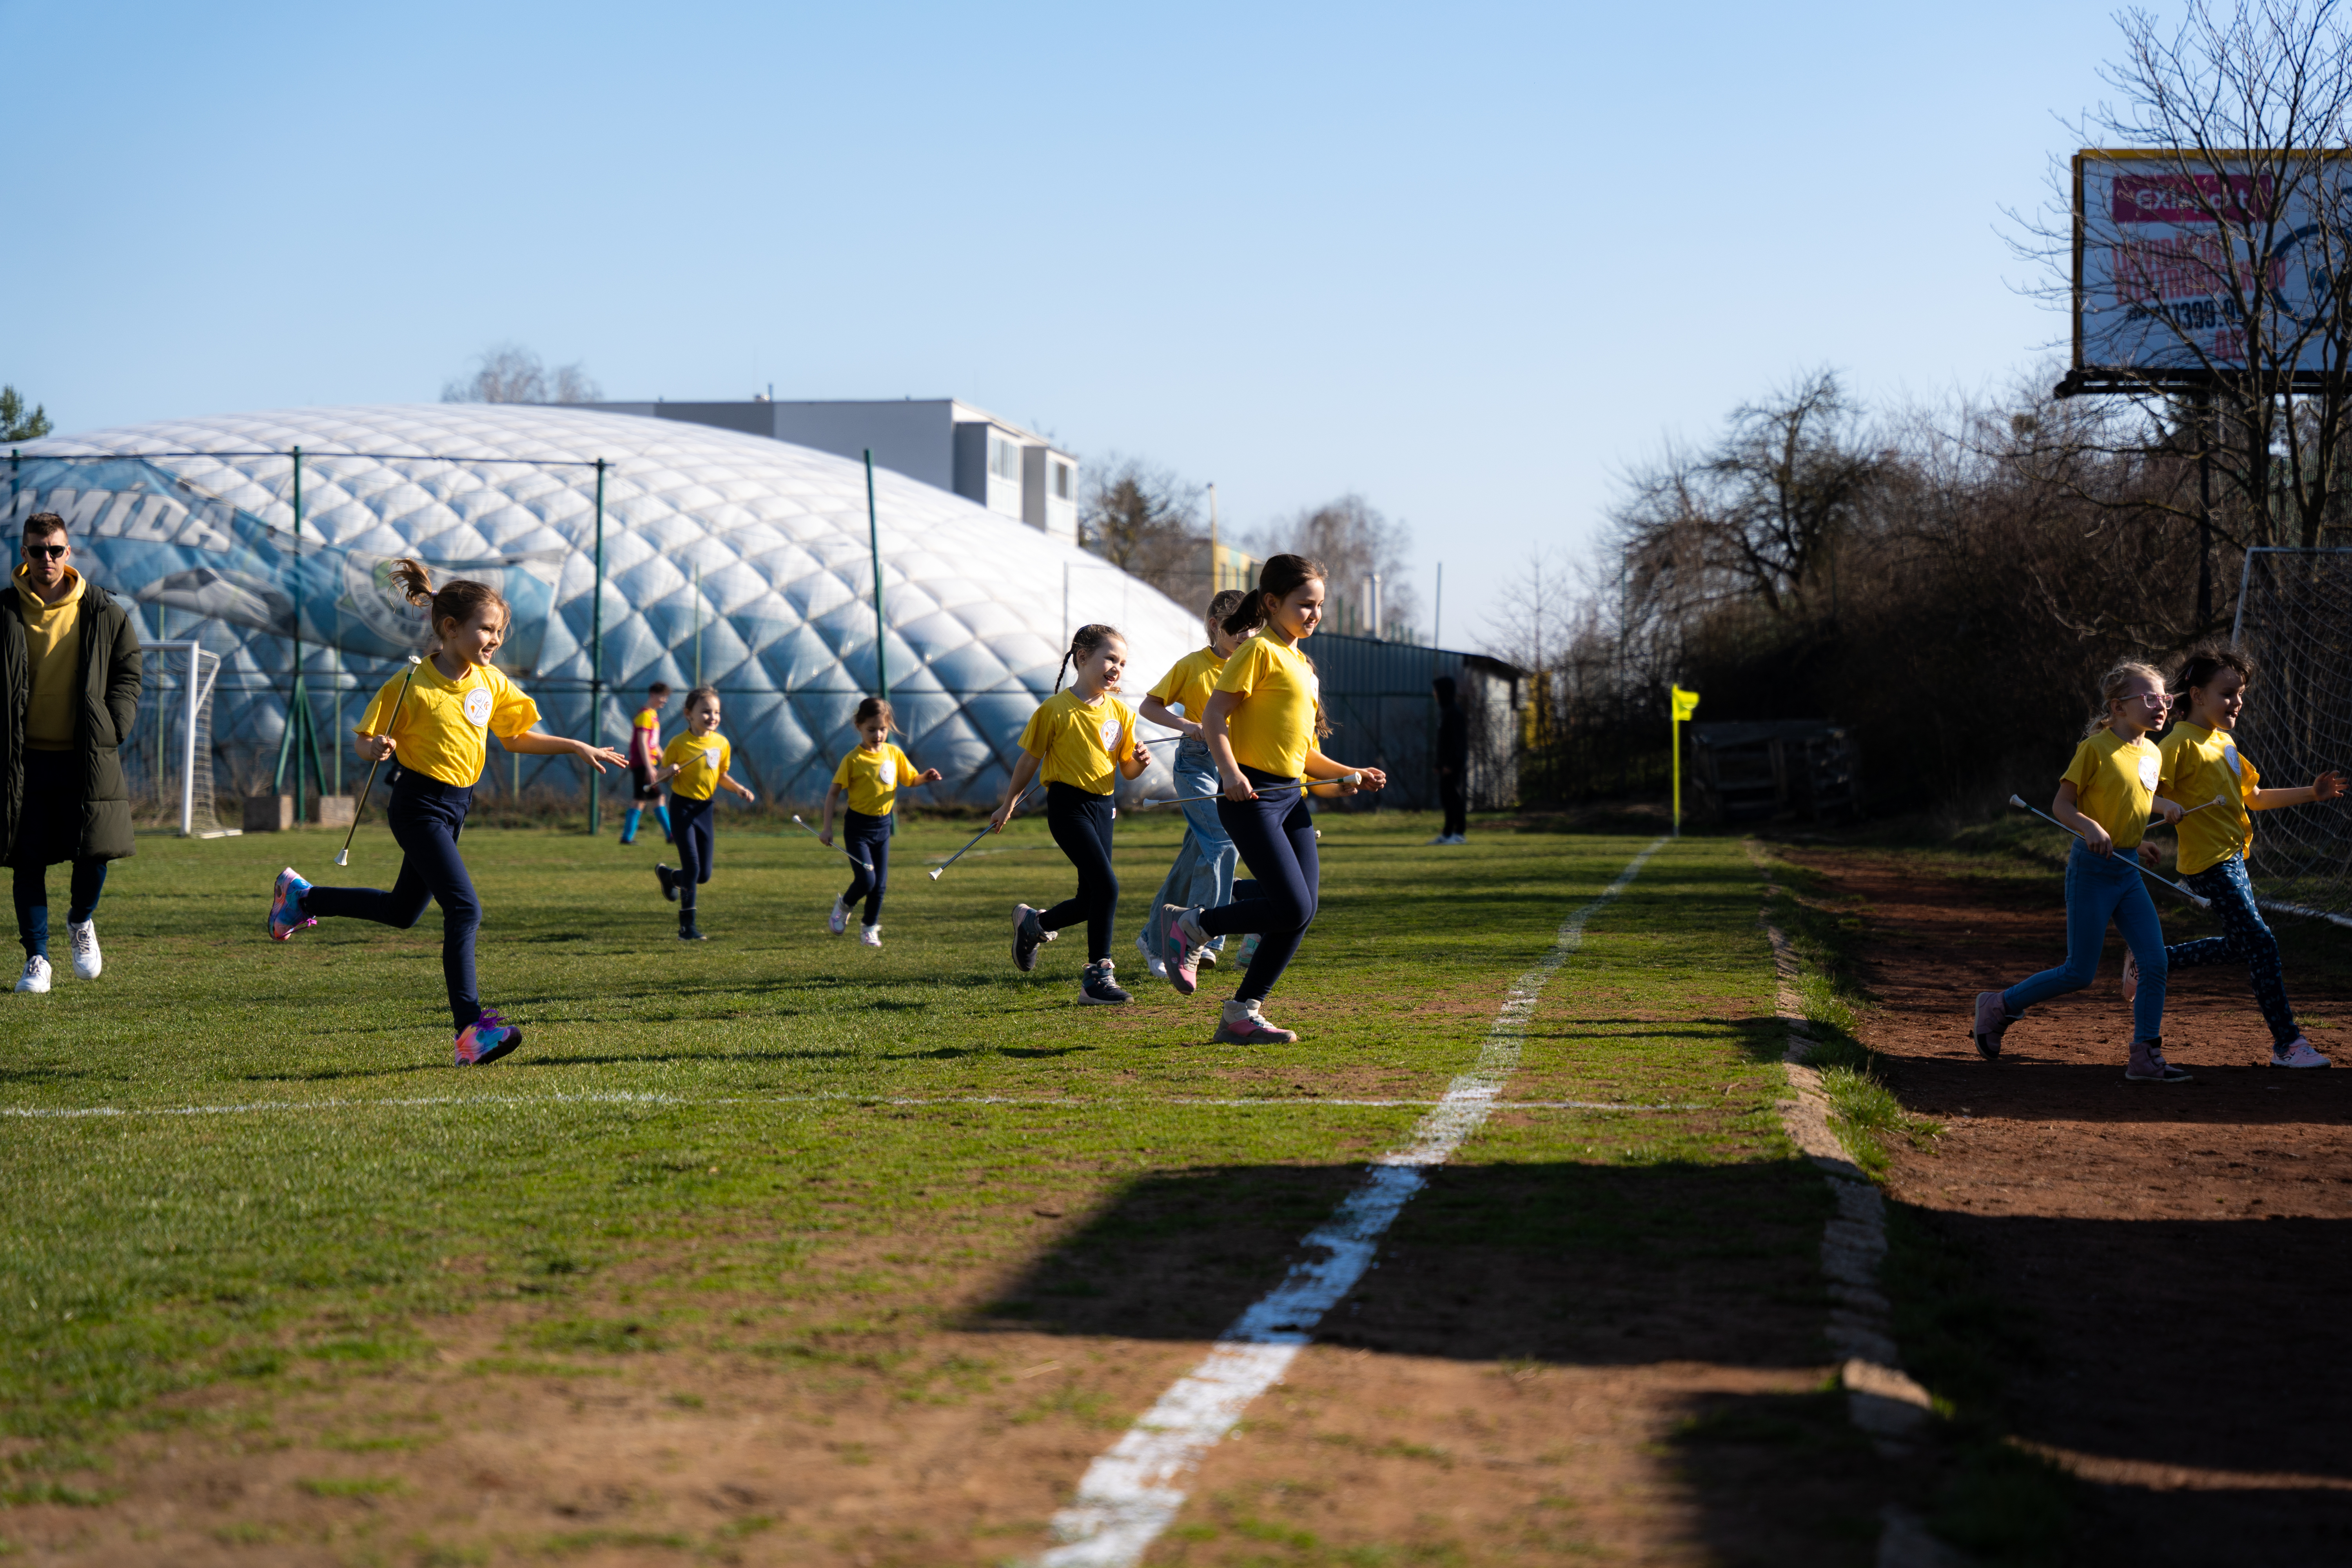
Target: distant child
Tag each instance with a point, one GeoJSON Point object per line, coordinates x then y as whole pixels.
{"type": "Point", "coordinates": [871, 776]}
{"type": "Point", "coordinates": [644, 753]}
{"type": "Point", "coordinates": [2202, 763]}
{"type": "Point", "coordinates": [1082, 741]}
{"type": "Point", "coordinates": [1204, 871]}
{"type": "Point", "coordinates": [435, 722]}
{"type": "Point", "coordinates": [695, 767]}
{"type": "Point", "coordinates": [2104, 796]}
{"type": "Point", "coordinates": [1262, 725]}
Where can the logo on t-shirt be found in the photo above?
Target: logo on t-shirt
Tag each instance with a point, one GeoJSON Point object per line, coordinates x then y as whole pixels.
{"type": "Point", "coordinates": [2230, 755]}
{"type": "Point", "coordinates": [477, 707]}
{"type": "Point", "coordinates": [1109, 732]}
{"type": "Point", "coordinates": [886, 774]}
{"type": "Point", "coordinates": [2148, 773]}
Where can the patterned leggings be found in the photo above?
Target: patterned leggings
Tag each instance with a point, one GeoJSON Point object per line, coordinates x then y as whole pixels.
{"type": "Point", "coordinates": [2245, 940]}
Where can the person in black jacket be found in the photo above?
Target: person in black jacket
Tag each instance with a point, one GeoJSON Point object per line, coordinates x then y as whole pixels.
{"type": "Point", "coordinates": [69, 692]}
{"type": "Point", "coordinates": [1452, 762]}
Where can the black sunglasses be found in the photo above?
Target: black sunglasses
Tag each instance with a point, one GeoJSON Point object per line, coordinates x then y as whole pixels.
{"type": "Point", "coordinates": [53, 552]}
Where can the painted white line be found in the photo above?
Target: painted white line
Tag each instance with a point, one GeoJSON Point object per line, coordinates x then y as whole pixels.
{"type": "Point", "coordinates": [1130, 1493]}
{"type": "Point", "coordinates": [40, 1112]}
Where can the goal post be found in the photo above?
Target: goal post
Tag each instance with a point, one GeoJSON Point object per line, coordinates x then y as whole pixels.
{"type": "Point", "coordinates": [2295, 620]}
{"type": "Point", "coordinates": [167, 759]}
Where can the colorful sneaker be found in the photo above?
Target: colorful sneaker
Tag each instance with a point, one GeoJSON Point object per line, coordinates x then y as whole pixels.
{"type": "Point", "coordinates": [2131, 976]}
{"type": "Point", "coordinates": [1100, 988]}
{"type": "Point", "coordinates": [87, 962]}
{"type": "Point", "coordinates": [35, 981]}
{"type": "Point", "coordinates": [2299, 1055]}
{"type": "Point", "coordinates": [1993, 1021]}
{"type": "Point", "coordinates": [486, 1039]}
{"type": "Point", "coordinates": [286, 916]}
{"type": "Point", "coordinates": [2148, 1066]}
{"type": "Point", "coordinates": [1243, 1025]}
{"type": "Point", "coordinates": [869, 936]}
{"type": "Point", "coordinates": [1182, 943]}
{"type": "Point", "coordinates": [1249, 950]}
{"type": "Point", "coordinates": [837, 921]}
{"type": "Point", "coordinates": [667, 877]}
{"type": "Point", "coordinates": [1027, 937]}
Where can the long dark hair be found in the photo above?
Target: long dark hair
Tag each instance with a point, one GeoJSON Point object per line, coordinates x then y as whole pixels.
{"type": "Point", "coordinates": [1084, 641]}
{"type": "Point", "coordinates": [2198, 668]}
{"type": "Point", "coordinates": [1277, 579]}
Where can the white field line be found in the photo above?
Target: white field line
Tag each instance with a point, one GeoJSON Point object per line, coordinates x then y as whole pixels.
{"type": "Point", "coordinates": [1130, 1103]}
{"type": "Point", "coordinates": [1131, 1492]}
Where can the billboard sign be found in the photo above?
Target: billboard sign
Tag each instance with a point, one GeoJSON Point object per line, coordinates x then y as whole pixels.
{"type": "Point", "coordinates": [2175, 255]}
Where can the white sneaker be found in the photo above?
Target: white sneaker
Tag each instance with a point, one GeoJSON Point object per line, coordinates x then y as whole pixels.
{"type": "Point", "coordinates": [870, 935]}
{"type": "Point", "coordinates": [1151, 961]}
{"type": "Point", "coordinates": [837, 921]}
{"type": "Point", "coordinates": [35, 978]}
{"type": "Point", "coordinates": [87, 965]}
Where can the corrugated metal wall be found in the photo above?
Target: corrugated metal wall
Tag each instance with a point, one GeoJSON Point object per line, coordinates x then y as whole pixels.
{"type": "Point", "coordinates": [1383, 714]}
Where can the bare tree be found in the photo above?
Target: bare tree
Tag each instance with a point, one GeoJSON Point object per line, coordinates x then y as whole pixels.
{"type": "Point", "coordinates": [1147, 520]}
{"type": "Point", "coordinates": [510, 372]}
{"type": "Point", "coordinates": [1354, 542]}
{"type": "Point", "coordinates": [1535, 615]}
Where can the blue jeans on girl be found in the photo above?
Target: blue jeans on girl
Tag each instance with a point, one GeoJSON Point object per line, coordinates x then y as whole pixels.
{"type": "Point", "coordinates": [1203, 876]}
{"type": "Point", "coordinates": [425, 817]}
{"type": "Point", "coordinates": [2100, 889]}
{"type": "Point", "coordinates": [2246, 938]}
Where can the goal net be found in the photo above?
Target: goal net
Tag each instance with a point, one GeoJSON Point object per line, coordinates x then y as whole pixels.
{"type": "Point", "coordinates": [168, 756]}
{"type": "Point", "coordinates": [2294, 617]}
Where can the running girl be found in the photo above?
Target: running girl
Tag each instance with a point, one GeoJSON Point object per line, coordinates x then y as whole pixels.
{"type": "Point", "coordinates": [645, 751]}
{"type": "Point", "coordinates": [2104, 796]}
{"type": "Point", "coordinates": [437, 734]}
{"type": "Point", "coordinates": [871, 776]}
{"type": "Point", "coordinates": [1261, 725]}
{"type": "Point", "coordinates": [695, 767]}
{"type": "Point", "coordinates": [1082, 741]}
{"type": "Point", "coordinates": [1204, 871]}
{"type": "Point", "coordinates": [2200, 762]}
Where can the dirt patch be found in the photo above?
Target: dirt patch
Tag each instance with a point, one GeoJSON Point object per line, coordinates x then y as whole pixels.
{"type": "Point", "coordinates": [2176, 1255]}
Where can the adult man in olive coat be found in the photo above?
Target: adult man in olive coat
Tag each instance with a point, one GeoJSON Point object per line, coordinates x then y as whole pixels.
{"type": "Point", "coordinates": [69, 692]}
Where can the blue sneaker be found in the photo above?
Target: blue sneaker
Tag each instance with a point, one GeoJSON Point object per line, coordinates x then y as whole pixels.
{"type": "Point", "coordinates": [486, 1038]}
{"type": "Point", "coordinates": [286, 916]}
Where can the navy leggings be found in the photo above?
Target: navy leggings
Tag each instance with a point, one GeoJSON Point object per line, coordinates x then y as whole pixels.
{"type": "Point", "coordinates": [868, 841]}
{"type": "Point", "coordinates": [1276, 834]}
{"type": "Point", "coordinates": [425, 817]}
{"type": "Point", "coordinates": [692, 830]}
{"type": "Point", "coordinates": [2246, 939]}
{"type": "Point", "coordinates": [1081, 821]}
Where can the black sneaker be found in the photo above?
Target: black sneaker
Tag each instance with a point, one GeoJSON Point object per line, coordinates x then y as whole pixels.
{"type": "Point", "coordinates": [687, 931]}
{"type": "Point", "coordinates": [1027, 936]}
{"type": "Point", "coordinates": [1099, 988]}
{"type": "Point", "coordinates": [668, 881]}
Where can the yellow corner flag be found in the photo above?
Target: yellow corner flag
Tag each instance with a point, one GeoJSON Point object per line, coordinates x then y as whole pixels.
{"type": "Point", "coordinates": [1686, 702]}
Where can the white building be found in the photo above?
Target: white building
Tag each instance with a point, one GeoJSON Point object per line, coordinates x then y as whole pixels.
{"type": "Point", "coordinates": [944, 443]}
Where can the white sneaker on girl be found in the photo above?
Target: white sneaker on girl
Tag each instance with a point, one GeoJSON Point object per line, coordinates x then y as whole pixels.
{"type": "Point", "coordinates": [837, 921]}
{"type": "Point", "coordinates": [871, 936]}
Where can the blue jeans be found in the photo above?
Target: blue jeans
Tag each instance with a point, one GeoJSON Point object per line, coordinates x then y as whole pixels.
{"type": "Point", "coordinates": [425, 817]}
{"type": "Point", "coordinates": [1276, 834]}
{"type": "Point", "coordinates": [2246, 938]}
{"type": "Point", "coordinates": [2100, 889]}
{"type": "Point", "coordinates": [32, 890]}
{"type": "Point", "coordinates": [1203, 876]}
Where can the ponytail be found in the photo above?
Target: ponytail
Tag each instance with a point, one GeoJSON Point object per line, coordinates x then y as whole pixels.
{"type": "Point", "coordinates": [2111, 688]}
{"type": "Point", "coordinates": [2198, 669]}
{"type": "Point", "coordinates": [456, 601]}
{"type": "Point", "coordinates": [1084, 641]}
{"type": "Point", "coordinates": [1281, 576]}
{"type": "Point", "coordinates": [876, 708]}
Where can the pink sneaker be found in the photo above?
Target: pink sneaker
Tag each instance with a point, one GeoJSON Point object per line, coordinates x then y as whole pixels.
{"type": "Point", "coordinates": [1993, 1021]}
{"type": "Point", "coordinates": [1185, 939]}
{"type": "Point", "coordinates": [286, 916]}
{"type": "Point", "coordinates": [2299, 1055]}
{"type": "Point", "coordinates": [2148, 1066]}
{"type": "Point", "coordinates": [1243, 1025]}
{"type": "Point", "coordinates": [2131, 976]}
{"type": "Point", "coordinates": [486, 1039]}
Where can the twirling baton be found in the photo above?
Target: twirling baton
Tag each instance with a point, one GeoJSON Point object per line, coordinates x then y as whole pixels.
{"type": "Point", "coordinates": [343, 855]}
{"type": "Point", "coordinates": [2019, 801]}
{"type": "Point", "coordinates": [938, 870]}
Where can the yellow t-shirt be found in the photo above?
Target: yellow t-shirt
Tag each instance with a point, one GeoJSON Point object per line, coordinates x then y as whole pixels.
{"type": "Point", "coordinates": [871, 779]}
{"type": "Point", "coordinates": [2200, 764]}
{"type": "Point", "coordinates": [645, 733]}
{"type": "Point", "coordinates": [442, 725]}
{"type": "Point", "coordinates": [2114, 784]}
{"type": "Point", "coordinates": [1081, 743]}
{"type": "Point", "coordinates": [53, 647]}
{"type": "Point", "coordinates": [702, 762]}
{"type": "Point", "coordinates": [1274, 728]}
{"type": "Point", "coordinates": [1186, 686]}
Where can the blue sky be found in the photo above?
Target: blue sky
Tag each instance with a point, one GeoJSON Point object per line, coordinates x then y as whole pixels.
{"type": "Point", "coordinates": [1469, 261]}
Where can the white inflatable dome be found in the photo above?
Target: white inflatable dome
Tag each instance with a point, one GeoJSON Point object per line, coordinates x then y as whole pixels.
{"type": "Point", "coordinates": [977, 604]}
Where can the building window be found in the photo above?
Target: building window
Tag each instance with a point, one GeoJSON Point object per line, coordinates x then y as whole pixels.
{"type": "Point", "coordinates": [1061, 481]}
{"type": "Point", "coordinates": [1004, 459]}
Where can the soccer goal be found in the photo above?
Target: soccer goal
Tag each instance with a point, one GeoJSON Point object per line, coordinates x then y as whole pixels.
{"type": "Point", "coordinates": [2294, 617]}
{"type": "Point", "coordinates": [168, 756]}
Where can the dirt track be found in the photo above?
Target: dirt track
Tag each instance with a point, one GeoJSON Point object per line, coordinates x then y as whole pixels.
{"type": "Point", "coordinates": [2178, 1255]}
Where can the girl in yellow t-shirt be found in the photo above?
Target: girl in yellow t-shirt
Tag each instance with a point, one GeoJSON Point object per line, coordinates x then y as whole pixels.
{"type": "Point", "coordinates": [1083, 742]}
{"type": "Point", "coordinates": [1204, 871]}
{"type": "Point", "coordinates": [695, 767]}
{"type": "Point", "coordinates": [2104, 796]}
{"type": "Point", "coordinates": [871, 776]}
{"type": "Point", "coordinates": [1261, 724]}
{"type": "Point", "coordinates": [433, 722]}
{"type": "Point", "coordinates": [2203, 764]}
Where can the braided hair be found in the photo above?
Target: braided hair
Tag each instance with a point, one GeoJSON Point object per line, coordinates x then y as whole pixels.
{"type": "Point", "coordinates": [1085, 642]}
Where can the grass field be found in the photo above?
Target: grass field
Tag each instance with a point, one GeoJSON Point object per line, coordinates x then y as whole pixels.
{"type": "Point", "coordinates": [774, 1248]}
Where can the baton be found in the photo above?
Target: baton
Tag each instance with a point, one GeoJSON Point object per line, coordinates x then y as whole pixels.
{"type": "Point", "coordinates": [1261, 789]}
{"type": "Point", "coordinates": [343, 855]}
{"type": "Point", "coordinates": [936, 871]}
{"type": "Point", "coordinates": [2019, 801]}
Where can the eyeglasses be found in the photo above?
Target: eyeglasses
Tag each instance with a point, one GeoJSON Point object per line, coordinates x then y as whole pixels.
{"type": "Point", "coordinates": [53, 552]}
